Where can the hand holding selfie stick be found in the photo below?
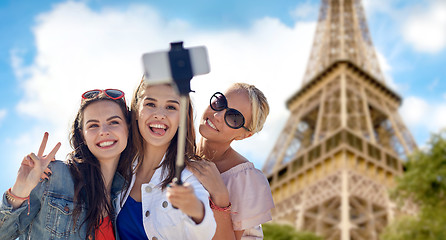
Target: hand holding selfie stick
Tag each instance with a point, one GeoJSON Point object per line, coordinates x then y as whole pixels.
{"type": "Point", "coordinates": [179, 66]}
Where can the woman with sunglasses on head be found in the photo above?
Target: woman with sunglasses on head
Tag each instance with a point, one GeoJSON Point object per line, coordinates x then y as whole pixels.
{"type": "Point", "coordinates": [156, 207]}
{"type": "Point", "coordinates": [76, 201]}
{"type": "Point", "coordinates": [240, 193]}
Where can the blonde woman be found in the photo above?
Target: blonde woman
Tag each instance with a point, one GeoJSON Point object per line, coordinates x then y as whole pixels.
{"type": "Point", "coordinates": [239, 193]}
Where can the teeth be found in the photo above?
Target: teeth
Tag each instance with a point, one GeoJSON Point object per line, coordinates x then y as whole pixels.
{"type": "Point", "coordinates": [211, 124]}
{"type": "Point", "coordinates": [106, 144]}
{"type": "Point", "coordinates": [158, 126]}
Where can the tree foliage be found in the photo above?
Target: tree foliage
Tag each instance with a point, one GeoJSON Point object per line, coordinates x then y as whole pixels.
{"type": "Point", "coordinates": [274, 231]}
{"type": "Point", "coordinates": [424, 183]}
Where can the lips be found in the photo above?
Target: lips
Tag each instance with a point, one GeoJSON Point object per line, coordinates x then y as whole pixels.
{"type": "Point", "coordinates": [106, 144]}
{"type": "Point", "coordinates": [211, 124]}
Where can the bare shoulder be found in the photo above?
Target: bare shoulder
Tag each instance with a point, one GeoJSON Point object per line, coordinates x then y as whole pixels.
{"type": "Point", "coordinates": [231, 160]}
{"type": "Point", "coordinates": [239, 158]}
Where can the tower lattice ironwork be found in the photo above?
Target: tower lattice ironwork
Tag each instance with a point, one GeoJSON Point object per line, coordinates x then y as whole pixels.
{"type": "Point", "coordinates": [344, 143]}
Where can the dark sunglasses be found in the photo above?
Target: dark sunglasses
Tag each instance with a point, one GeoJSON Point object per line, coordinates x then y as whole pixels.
{"type": "Point", "coordinates": [114, 94]}
{"type": "Point", "coordinates": [233, 118]}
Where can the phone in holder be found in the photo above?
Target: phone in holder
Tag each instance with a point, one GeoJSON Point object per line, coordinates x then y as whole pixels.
{"type": "Point", "coordinates": [159, 67]}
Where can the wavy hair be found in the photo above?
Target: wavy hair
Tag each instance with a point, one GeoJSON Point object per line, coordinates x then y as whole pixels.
{"type": "Point", "coordinates": [90, 190]}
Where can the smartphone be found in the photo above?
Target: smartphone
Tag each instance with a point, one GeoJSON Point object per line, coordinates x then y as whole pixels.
{"type": "Point", "coordinates": [157, 66]}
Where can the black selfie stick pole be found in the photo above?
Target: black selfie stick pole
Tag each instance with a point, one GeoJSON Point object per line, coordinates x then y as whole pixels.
{"type": "Point", "coordinates": [181, 69]}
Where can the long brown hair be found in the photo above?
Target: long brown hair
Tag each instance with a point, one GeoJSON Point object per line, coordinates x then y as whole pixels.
{"type": "Point", "coordinates": [168, 165]}
{"type": "Point", "coordinates": [90, 191]}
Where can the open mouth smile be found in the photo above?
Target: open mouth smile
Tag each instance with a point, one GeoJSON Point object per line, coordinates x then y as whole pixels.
{"type": "Point", "coordinates": [158, 129]}
{"type": "Point", "coordinates": [210, 124]}
{"type": "Point", "coordinates": [106, 144]}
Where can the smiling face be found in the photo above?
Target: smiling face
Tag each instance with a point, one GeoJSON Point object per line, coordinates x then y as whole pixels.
{"type": "Point", "coordinates": [213, 126]}
{"type": "Point", "coordinates": [105, 130]}
{"type": "Point", "coordinates": [158, 115]}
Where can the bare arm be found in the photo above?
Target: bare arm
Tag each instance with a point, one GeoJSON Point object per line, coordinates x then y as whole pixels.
{"type": "Point", "coordinates": [239, 234]}
{"type": "Point", "coordinates": [208, 174]}
{"type": "Point", "coordinates": [225, 230]}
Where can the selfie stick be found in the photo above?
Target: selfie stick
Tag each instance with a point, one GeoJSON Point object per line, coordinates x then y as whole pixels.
{"type": "Point", "coordinates": [184, 64]}
{"type": "Point", "coordinates": [181, 69]}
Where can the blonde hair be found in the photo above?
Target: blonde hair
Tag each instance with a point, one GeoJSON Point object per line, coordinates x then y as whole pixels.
{"type": "Point", "coordinates": [259, 105]}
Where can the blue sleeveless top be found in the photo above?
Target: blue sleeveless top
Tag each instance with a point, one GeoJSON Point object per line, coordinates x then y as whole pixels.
{"type": "Point", "coordinates": [129, 221]}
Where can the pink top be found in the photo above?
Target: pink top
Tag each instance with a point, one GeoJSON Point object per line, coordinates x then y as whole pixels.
{"type": "Point", "coordinates": [250, 197]}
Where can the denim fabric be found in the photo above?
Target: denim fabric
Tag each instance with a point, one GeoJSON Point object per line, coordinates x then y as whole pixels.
{"type": "Point", "coordinates": [51, 208]}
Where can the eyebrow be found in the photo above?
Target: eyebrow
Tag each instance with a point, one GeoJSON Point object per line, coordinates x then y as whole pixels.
{"type": "Point", "coordinates": [153, 99]}
{"type": "Point", "coordinates": [113, 117]}
{"type": "Point", "coordinates": [108, 119]}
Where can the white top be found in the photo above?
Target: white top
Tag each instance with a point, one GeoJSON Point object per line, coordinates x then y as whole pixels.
{"type": "Point", "coordinates": [251, 199]}
{"type": "Point", "coordinates": [162, 221]}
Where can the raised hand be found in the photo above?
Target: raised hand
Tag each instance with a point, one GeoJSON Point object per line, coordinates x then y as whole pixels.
{"type": "Point", "coordinates": [209, 176]}
{"type": "Point", "coordinates": [47, 173]}
{"type": "Point", "coordinates": [184, 198]}
{"type": "Point", "coordinates": [32, 168]}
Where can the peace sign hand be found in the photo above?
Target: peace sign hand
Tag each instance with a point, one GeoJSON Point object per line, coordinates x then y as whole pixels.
{"type": "Point", "coordinates": [47, 173]}
{"type": "Point", "coordinates": [32, 168]}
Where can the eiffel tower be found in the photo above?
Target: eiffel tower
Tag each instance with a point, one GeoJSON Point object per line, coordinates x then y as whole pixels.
{"type": "Point", "coordinates": [344, 142]}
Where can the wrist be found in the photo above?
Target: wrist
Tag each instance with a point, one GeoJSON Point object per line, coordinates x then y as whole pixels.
{"type": "Point", "coordinates": [199, 213]}
{"type": "Point", "coordinates": [220, 209]}
{"type": "Point", "coordinates": [17, 201]}
{"type": "Point", "coordinates": [221, 199]}
{"type": "Point", "coordinates": [19, 192]}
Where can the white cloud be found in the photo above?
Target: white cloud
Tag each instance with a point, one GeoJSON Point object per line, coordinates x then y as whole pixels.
{"type": "Point", "coordinates": [80, 49]}
{"type": "Point", "coordinates": [439, 115]}
{"type": "Point", "coordinates": [305, 10]}
{"type": "Point", "coordinates": [386, 70]}
{"type": "Point", "coordinates": [425, 29]}
{"type": "Point", "coordinates": [419, 113]}
{"type": "Point", "coordinates": [414, 110]}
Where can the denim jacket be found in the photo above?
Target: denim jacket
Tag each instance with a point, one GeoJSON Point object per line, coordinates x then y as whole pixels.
{"type": "Point", "coordinates": [51, 208]}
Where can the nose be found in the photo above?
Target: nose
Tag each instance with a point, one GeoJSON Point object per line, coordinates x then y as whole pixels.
{"type": "Point", "coordinates": [160, 113]}
{"type": "Point", "coordinates": [104, 130]}
{"type": "Point", "coordinates": [219, 115]}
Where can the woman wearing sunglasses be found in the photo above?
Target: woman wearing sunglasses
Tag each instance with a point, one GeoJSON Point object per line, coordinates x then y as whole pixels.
{"type": "Point", "coordinates": [239, 193]}
{"type": "Point", "coordinates": [155, 207]}
{"type": "Point", "coordinates": [76, 201]}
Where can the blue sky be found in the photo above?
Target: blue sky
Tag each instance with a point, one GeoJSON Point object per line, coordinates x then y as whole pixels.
{"type": "Point", "coordinates": [52, 51]}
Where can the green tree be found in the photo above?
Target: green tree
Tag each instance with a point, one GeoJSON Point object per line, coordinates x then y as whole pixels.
{"type": "Point", "coordinates": [423, 183]}
{"type": "Point", "coordinates": [274, 231]}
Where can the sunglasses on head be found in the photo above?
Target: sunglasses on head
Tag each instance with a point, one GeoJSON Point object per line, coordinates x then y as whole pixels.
{"type": "Point", "coordinates": [233, 118]}
{"type": "Point", "coordinates": [114, 94]}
